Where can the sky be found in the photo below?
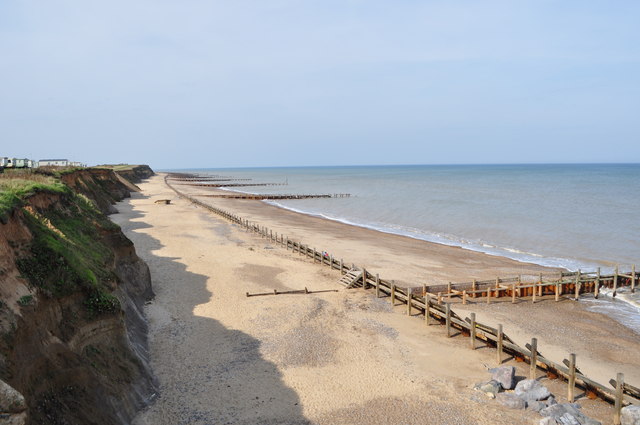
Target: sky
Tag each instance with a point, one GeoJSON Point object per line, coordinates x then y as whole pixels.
{"type": "Point", "coordinates": [242, 83]}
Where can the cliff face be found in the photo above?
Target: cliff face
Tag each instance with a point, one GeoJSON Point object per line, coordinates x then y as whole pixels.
{"type": "Point", "coordinates": [72, 333]}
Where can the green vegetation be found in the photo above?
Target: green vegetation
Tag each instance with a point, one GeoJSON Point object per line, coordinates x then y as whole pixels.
{"type": "Point", "coordinates": [68, 254]}
{"type": "Point", "coordinates": [15, 187]}
{"type": "Point", "coordinates": [117, 167]}
{"type": "Point", "coordinates": [25, 300]}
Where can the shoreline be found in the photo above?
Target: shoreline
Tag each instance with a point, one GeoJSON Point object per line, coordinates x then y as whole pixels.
{"type": "Point", "coordinates": [378, 253]}
{"type": "Point", "coordinates": [319, 230]}
{"type": "Point", "coordinates": [331, 358]}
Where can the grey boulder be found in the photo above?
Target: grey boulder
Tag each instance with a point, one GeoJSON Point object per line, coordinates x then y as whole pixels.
{"type": "Point", "coordinates": [536, 406]}
{"type": "Point", "coordinates": [11, 401]}
{"type": "Point", "coordinates": [568, 414]}
{"type": "Point", "coordinates": [532, 390]}
{"type": "Point", "coordinates": [490, 389]}
{"type": "Point", "coordinates": [511, 401]}
{"type": "Point", "coordinates": [505, 375]}
{"type": "Point", "coordinates": [630, 415]}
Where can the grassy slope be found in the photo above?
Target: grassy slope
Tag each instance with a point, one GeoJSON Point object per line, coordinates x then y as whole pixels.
{"type": "Point", "coordinates": [67, 253]}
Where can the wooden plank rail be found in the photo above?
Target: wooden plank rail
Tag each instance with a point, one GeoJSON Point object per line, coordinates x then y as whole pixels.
{"type": "Point", "coordinates": [271, 196]}
{"type": "Point", "coordinates": [231, 184]}
{"type": "Point", "coordinates": [431, 307]}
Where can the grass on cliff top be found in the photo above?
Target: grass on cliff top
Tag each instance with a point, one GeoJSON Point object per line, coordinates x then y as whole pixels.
{"type": "Point", "coordinates": [17, 186]}
{"type": "Point", "coordinates": [118, 167]}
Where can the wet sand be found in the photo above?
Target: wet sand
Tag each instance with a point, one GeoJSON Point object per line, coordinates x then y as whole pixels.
{"type": "Point", "coordinates": [333, 358]}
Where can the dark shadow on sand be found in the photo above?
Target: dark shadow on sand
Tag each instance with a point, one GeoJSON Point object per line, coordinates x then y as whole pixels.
{"type": "Point", "coordinates": [243, 387]}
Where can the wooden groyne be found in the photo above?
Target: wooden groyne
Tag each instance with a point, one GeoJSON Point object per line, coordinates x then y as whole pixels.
{"type": "Point", "coordinates": [564, 284]}
{"type": "Point", "coordinates": [206, 179]}
{"type": "Point", "coordinates": [272, 196]}
{"type": "Point", "coordinates": [434, 310]}
{"type": "Point", "coordinates": [231, 184]}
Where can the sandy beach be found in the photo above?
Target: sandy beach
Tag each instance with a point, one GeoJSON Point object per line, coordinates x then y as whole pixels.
{"type": "Point", "coordinates": [340, 357]}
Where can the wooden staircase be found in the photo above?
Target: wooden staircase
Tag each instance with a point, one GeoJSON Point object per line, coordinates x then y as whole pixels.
{"type": "Point", "coordinates": [352, 278]}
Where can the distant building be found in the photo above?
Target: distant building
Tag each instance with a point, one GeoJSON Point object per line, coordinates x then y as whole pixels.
{"type": "Point", "coordinates": [7, 162]}
{"type": "Point", "coordinates": [53, 163]}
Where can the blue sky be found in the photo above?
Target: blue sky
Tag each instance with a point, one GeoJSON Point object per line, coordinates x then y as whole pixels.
{"type": "Point", "coordinates": [303, 82]}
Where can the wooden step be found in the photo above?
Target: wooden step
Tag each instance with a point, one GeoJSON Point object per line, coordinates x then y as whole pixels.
{"type": "Point", "coordinates": [352, 278]}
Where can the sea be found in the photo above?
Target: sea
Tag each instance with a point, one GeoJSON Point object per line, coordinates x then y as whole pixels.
{"type": "Point", "coordinates": [575, 216]}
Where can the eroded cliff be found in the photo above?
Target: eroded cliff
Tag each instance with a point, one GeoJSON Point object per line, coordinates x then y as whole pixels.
{"type": "Point", "coordinates": [72, 332]}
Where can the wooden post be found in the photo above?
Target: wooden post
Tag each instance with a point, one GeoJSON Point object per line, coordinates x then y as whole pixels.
{"type": "Point", "coordinates": [364, 278]}
{"type": "Point", "coordinates": [439, 298]}
{"type": "Point", "coordinates": [618, 401]}
{"type": "Point", "coordinates": [377, 285]}
{"type": "Point", "coordinates": [449, 290]}
{"type": "Point", "coordinates": [314, 255]}
{"type": "Point", "coordinates": [331, 261]}
{"type": "Point", "coordinates": [572, 377]}
{"type": "Point", "coordinates": [540, 288]}
{"type": "Point", "coordinates": [499, 344]}
{"type": "Point", "coordinates": [534, 358]}
{"type": "Point", "coordinates": [271, 235]}
{"type": "Point", "coordinates": [427, 303]}
{"type": "Point", "coordinates": [513, 293]}
{"type": "Point", "coordinates": [577, 288]}
{"type": "Point", "coordinates": [557, 291]}
{"type": "Point", "coordinates": [448, 320]}
{"type": "Point", "coordinates": [287, 244]}
{"type": "Point", "coordinates": [474, 288]}
{"type": "Point", "coordinates": [472, 332]}
{"type": "Point", "coordinates": [464, 297]}
{"type": "Point", "coordinates": [535, 291]}
{"type": "Point", "coordinates": [488, 294]}
{"type": "Point", "coordinates": [341, 265]}
{"type": "Point", "coordinates": [393, 293]}
{"type": "Point", "coordinates": [409, 302]}
{"type": "Point", "coordinates": [597, 288]}
{"type": "Point", "coordinates": [633, 278]}
{"type": "Point", "coordinates": [615, 282]}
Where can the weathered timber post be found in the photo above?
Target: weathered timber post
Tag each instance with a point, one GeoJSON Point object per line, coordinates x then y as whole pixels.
{"type": "Point", "coordinates": [572, 377]}
{"type": "Point", "coordinates": [364, 278]}
{"type": "Point", "coordinates": [518, 285]}
{"type": "Point", "coordinates": [535, 290]}
{"type": "Point", "coordinates": [540, 288]}
{"type": "Point", "coordinates": [449, 291]}
{"type": "Point", "coordinates": [464, 297]}
{"type": "Point", "coordinates": [427, 303]}
{"type": "Point", "coordinates": [271, 235]}
{"type": "Point", "coordinates": [597, 288]}
{"type": "Point", "coordinates": [473, 288]}
{"type": "Point", "coordinates": [314, 254]}
{"type": "Point", "coordinates": [488, 294]}
{"type": "Point", "coordinates": [287, 244]}
{"type": "Point", "coordinates": [439, 298]}
{"type": "Point", "coordinates": [618, 401]}
{"type": "Point", "coordinates": [341, 265]}
{"type": "Point", "coordinates": [409, 295]}
{"type": "Point", "coordinates": [557, 291]}
{"type": "Point", "coordinates": [393, 293]}
{"type": "Point", "coordinates": [615, 282]}
{"type": "Point", "coordinates": [472, 331]}
{"type": "Point", "coordinates": [513, 293]}
{"type": "Point", "coordinates": [577, 288]}
{"type": "Point", "coordinates": [377, 285]}
{"type": "Point", "coordinates": [448, 320]}
{"type": "Point", "coordinates": [499, 344]}
{"type": "Point", "coordinates": [633, 278]}
{"type": "Point", "coordinates": [534, 358]}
